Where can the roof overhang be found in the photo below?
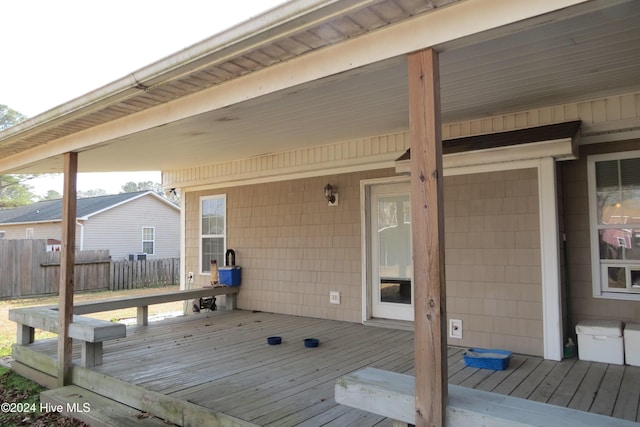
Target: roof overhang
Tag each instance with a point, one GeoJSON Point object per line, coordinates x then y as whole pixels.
{"type": "Point", "coordinates": [317, 72]}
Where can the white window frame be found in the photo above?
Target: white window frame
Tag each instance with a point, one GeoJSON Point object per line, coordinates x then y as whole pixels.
{"type": "Point", "coordinates": [153, 241]}
{"type": "Point", "coordinates": [598, 267]}
{"type": "Point", "coordinates": [3, 234]}
{"type": "Point", "coordinates": [223, 235]}
{"type": "Point", "coordinates": [30, 233]}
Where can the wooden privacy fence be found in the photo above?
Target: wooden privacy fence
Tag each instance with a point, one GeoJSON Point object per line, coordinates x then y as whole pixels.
{"type": "Point", "coordinates": [27, 269]}
{"type": "Point", "coordinates": [138, 274]}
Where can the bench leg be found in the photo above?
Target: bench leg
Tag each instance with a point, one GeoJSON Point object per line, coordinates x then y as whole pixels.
{"type": "Point", "coordinates": [26, 335]}
{"type": "Point", "coordinates": [91, 353]}
{"type": "Point", "coordinates": [143, 315]}
{"type": "Point", "coordinates": [230, 302]}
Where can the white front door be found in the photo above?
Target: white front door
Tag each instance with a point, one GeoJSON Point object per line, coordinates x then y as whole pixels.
{"type": "Point", "coordinates": [391, 287]}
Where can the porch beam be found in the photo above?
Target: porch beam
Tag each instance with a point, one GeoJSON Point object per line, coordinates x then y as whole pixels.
{"type": "Point", "coordinates": [427, 224]}
{"type": "Point", "coordinates": [67, 259]}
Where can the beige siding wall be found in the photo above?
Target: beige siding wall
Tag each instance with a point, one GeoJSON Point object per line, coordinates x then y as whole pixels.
{"type": "Point", "coordinates": [294, 249]}
{"type": "Point", "coordinates": [120, 229]}
{"type": "Point", "coordinates": [576, 202]}
{"type": "Point", "coordinates": [493, 258]}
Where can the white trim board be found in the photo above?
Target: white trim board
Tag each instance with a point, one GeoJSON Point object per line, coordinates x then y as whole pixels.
{"type": "Point", "coordinates": [560, 149]}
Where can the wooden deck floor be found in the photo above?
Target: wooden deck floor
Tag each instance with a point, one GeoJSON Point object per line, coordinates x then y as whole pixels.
{"type": "Point", "coordinates": [221, 360]}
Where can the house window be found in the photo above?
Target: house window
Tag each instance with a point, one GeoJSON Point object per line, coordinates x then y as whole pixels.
{"type": "Point", "coordinates": [148, 240]}
{"type": "Point", "coordinates": [2, 235]}
{"type": "Point", "coordinates": [213, 230]}
{"type": "Point", "coordinates": [614, 211]}
{"type": "Point", "coordinates": [29, 233]}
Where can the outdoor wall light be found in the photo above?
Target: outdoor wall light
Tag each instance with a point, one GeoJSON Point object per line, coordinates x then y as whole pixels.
{"type": "Point", "coordinates": [328, 193]}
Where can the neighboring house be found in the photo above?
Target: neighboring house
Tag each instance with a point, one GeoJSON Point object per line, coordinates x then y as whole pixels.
{"type": "Point", "coordinates": [541, 121]}
{"type": "Point", "coordinates": [127, 223]}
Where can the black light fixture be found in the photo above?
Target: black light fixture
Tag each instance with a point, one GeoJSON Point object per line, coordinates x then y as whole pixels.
{"type": "Point", "coordinates": [328, 193]}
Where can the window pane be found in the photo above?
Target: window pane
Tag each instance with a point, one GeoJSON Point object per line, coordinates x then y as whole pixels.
{"type": "Point", "coordinates": [620, 243]}
{"type": "Point", "coordinates": [629, 211]}
{"type": "Point", "coordinates": [213, 216]}
{"type": "Point", "coordinates": [617, 279]}
{"type": "Point", "coordinates": [147, 248]}
{"type": "Point", "coordinates": [609, 207]}
{"type": "Point", "coordinates": [147, 233]}
{"type": "Point", "coordinates": [630, 187]}
{"type": "Point", "coordinates": [394, 237]}
{"type": "Point", "coordinates": [635, 279]}
{"type": "Point", "coordinates": [212, 248]}
{"type": "Point", "coordinates": [608, 192]}
{"type": "Point", "coordinates": [607, 174]}
{"type": "Point", "coordinates": [618, 191]}
{"type": "Point", "coordinates": [630, 173]}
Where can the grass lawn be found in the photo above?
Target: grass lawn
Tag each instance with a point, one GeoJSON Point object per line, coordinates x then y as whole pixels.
{"type": "Point", "coordinates": [8, 328]}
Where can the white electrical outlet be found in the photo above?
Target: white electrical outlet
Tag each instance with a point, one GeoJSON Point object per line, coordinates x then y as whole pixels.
{"type": "Point", "coordinates": [334, 297]}
{"type": "Point", "coordinates": [455, 328]}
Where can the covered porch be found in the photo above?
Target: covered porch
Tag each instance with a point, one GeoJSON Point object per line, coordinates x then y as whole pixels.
{"type": "Point", "coordinates": [325, 90]}
{"type": "Point", "coordinates": [218, 365]}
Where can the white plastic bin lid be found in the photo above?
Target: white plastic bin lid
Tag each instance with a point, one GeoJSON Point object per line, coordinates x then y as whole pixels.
{"type": "Point", "coordinates": [632, 327]}
{"type": "Point", "coordinates": [609, 328]}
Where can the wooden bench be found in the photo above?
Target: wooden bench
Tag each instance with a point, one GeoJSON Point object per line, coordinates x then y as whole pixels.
{"type": "Point", "coordinates": [143, 302]}
{"type": "Point", "coordinates": [93, 332]}
{"type": "Point", "coordinates": [392, 395]}
{"type": "Point", "coordinates": [90, 332]}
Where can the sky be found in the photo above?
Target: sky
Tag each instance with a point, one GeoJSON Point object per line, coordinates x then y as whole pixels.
{"type": "Point", "coordinates": [55, 51]}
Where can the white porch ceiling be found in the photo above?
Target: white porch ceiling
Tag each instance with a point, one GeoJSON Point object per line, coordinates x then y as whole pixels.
{"type": "Point", "coordinates": [584, 57]}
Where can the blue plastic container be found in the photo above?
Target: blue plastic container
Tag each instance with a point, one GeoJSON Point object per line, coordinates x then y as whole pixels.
{"type": "Point", "coordinates": [311, 342]}
{"type": "Point", "coordinates": [274, 340]}
{"type": "Point", "coordinates": [229, 276]}
{"type": "Point", "coordinates": [487, 358]}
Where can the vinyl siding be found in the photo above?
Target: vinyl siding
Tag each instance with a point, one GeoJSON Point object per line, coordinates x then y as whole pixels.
{"type": "Point", "coordinates": [493, 259]}
{"type": "Point", "coordinates": [50, 230]}
{"type": "Point", "coordinates": [120, 229]}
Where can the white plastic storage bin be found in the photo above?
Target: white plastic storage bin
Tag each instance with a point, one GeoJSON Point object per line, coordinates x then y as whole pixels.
{"type": "Point", "coordinates": [632, 344]}
{"type": "Point", "coordinates": [600, 341]}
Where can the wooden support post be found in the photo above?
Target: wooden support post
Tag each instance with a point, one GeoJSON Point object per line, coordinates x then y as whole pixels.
{"type": "Point", "coordinates": [142, 313]}
{"type": "Point", "coordinates": [26, 335]}
{"type": "Point", "coordinates": [91, 354]}
{"type": "Point", "coordinates": [67, 260]}
{"type": "Point", "coordinates": [230, 302]}
{"type": "Point", "coordinates": [427, 224]}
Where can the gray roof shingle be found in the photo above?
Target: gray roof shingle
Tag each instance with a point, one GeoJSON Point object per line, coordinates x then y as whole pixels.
{"type": "Point", "coordinates": [51, 210]}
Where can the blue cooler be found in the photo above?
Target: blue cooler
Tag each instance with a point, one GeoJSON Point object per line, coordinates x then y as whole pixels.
{"type": "Point", "coordinates": [229, 276]}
